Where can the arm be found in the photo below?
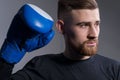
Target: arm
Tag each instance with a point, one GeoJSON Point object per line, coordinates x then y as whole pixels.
{"type": "Point", "coordinates": [30, 29]}
{"type": "Point", "coordinates": [33, 70]}
{"type": "Point", "coordinates": [5, 69]}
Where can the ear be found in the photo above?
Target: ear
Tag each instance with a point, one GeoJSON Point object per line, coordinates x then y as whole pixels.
{"type": "Point", "coordinates": [60, 26]}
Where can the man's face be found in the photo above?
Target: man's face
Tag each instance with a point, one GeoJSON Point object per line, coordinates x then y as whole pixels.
{"type": "Point", "coordinates": [81, 31]}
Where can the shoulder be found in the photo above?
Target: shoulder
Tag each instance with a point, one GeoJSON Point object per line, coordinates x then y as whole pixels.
{"type": "Point", "coordinates": [43, 60]}
{"type": "Point", "coordinates": [40, 65]}
{"type": "Point", "coordinates": [46, 57]}
{"type": "Point", "coordinates": [109, 64]}
{"type": "Point", "coordinates": [105, 59]}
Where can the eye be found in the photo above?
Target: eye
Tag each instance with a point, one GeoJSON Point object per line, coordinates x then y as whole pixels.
{"type": "Point", "coordinates": [83, 24]}
{"type": "Point", "coordinates": [97, 23]}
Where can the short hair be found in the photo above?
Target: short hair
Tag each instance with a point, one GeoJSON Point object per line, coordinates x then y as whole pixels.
{"type": "Point", "coordinates": [65, 6]}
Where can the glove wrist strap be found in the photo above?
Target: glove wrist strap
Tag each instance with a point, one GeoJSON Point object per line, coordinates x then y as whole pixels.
{"type": "Point", "coordinates": [11, 53]}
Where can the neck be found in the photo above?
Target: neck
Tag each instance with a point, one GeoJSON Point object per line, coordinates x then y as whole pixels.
{"type": "Point", "coordinates": [73, 55]}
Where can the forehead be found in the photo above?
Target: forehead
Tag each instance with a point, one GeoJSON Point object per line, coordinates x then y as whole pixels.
{"type": "Point", "coordinates": [85, 15]}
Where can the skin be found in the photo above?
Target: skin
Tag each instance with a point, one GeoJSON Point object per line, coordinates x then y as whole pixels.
{"type": "Point", "coordinates": [80, 27]}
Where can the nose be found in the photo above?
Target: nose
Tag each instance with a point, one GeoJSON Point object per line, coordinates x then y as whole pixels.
{"type": "Point", "coordinates": [93, 33]}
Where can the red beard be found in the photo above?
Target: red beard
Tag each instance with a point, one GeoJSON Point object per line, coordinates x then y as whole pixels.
{"type": "Point", "coordinates": [85, 50]}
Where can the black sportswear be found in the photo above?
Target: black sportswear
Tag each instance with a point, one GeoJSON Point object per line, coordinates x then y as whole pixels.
{"type": "Point", "coordinates": [58, 67]}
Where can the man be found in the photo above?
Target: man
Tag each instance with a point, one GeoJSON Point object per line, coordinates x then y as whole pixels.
{"type": "Point", "coordinates": [79, 22]}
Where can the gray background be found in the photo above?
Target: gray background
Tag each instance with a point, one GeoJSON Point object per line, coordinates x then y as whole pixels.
{"type": "Point", "coordinates": [109, 36]}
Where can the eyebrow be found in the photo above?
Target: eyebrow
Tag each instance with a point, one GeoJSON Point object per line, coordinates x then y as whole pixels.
{"type": "Point", "coordinates": [87, 22]}
{"type": "Point", "coordinates": [98, 21]}
{"type": "Point", "coordinates": [79, 23]}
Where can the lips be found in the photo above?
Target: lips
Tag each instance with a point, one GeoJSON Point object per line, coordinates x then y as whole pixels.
{"type": "Point", "coordinates": [91, 43]}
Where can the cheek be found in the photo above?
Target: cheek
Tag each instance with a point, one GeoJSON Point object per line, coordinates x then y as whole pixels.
{"type": "Point", "coordinates": [80, 36]}
{"type": "Point", "coordinates": [77, 35]}
{"type": "Point", "coordinates": [70, 33]}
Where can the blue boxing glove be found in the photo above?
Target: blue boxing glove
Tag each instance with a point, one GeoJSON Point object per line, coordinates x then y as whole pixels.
{"type": "Point", "coordinates": [30, 29]}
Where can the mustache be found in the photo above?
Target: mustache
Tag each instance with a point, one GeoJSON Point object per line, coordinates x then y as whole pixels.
{"type": "Point", "coordinates": [91, 41]}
